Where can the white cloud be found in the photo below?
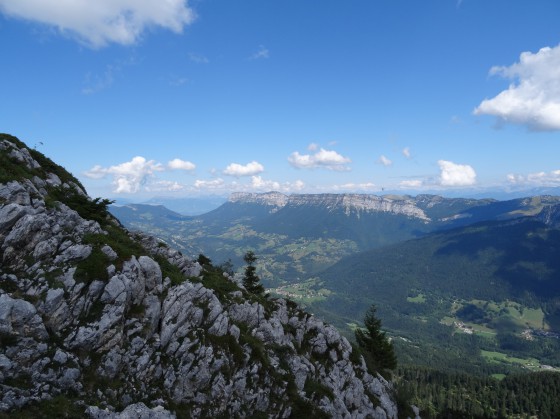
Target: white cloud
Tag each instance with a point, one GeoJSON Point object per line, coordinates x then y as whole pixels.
{"type": "Point", "coordinates": [261, 53]}
{"type": "Point", "coordinates": [127, 177]}
{"type": "Point", "coordinates": [313, 147]}
{"type": "Point", "coordinates": [368, 186]}
{"type": "Point", "coordinates": [536, 179]}
{"type": "Point", "coordinates": [327, 159]}
{"type": "Point", "coordinates": [209, 184]}
{"type": "Point", "coordinates": [533, 99]}
{"type": "Point", "coordinates": [257, 182]}
{"type": "Point", "coordinates": [384, 161]}
{"type": "Point", "coordinates": [298, 185]}
{"type": "Point", "coordinates": [96, 172]}
{"type": "Point", "coordinates": [178, 164]}
{"type": "Point", "coordinates": [260, 184]}
{"type": "Point", "coordinates": [100, 22]}
{"type": "Point", "coordinates": [456, 174]}
{"type": "Point", "coordinates": [412, 183]}
{"type": "Point", "coordinates": [406, 152]}
{"type": "Point", "coordinates": [249, 169]}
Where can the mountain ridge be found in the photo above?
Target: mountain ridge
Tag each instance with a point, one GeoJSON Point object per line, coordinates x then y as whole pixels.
{"type": "Point", "coordinates": [348, 202]}
{"type": "Point", "coordinates": [300, 235]}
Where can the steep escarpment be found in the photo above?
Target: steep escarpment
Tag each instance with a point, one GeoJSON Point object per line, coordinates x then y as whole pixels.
{"type": "Point", "coordinates": [94, 320]}
{"type": "Point", "coordinates": [347, 203]}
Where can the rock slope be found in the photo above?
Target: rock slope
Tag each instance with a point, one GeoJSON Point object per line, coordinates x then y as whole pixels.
{"type": "Point", "coordinates": [94, 320]}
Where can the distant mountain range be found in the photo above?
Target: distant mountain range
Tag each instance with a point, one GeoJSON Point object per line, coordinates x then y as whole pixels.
{"type": "Point", "coordinates": [469, 274]}
{"type": "Point", "coordinates": [297, 235]}
{"type": "Point", "coordinates": [184, 206]}
{"type": "Point", "coordinates": [497, 193]}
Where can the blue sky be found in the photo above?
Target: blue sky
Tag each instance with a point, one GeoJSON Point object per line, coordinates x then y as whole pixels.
{"type": "Point", "coordinates": [182, 98]}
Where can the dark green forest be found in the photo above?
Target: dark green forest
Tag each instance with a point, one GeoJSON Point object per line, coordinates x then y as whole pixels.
{"type": "Point", "coordinates": [456, 395]}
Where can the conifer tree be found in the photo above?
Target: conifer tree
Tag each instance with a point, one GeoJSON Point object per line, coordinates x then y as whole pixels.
{"type": "Point", "coordinates": [378, 350]}
{"type": "Point", "coordinates": [251, 281]}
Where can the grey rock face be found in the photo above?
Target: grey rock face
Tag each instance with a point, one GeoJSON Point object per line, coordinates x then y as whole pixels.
{"type": "Point", "coordinates": [121, 334]}
{"type": "Point", "coordinates": [9, 215]}
{"type": "Point", "coordinates": [349, 203]}
{"type": "Point", "coordinates": [133, 411]}
{"type": "Point", "coordinates": [273, 199]}
{"type": "Point", "coordinates": [19, 317]}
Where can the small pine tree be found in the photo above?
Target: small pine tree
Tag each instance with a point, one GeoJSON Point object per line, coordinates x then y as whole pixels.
{"type": "Point", "coordinates": [251, 281]}
{"type": "Point", "coordinates": [378, 350]}
{"type": "Point", "coordinates": [204, 260]}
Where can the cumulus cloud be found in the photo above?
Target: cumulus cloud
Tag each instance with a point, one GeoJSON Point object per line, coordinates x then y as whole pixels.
{"type": "Point", "coordinates": [406, 152]}
{"type": "Point", "coordinates": [453, 174]}
{"type": "Point", "coordinates": [533, 98]}
{"type": "Point", "coordinates": [257, 182]}
{"type": "Point", "coordinates": [327, 159]}
{"type": "Point", "coordinates": [384, 161]}
{"type": "Point", "coordinates": [128, 177]}
{"type": "Point", "coordinates": [178, 164]}
{"type": "Point", "coordinates": [249, 169]}
{"type": "Point", "coordinates": [101, 22]}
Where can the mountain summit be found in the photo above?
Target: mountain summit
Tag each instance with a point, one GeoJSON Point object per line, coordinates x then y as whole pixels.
{"type": "Point", "coordinates": [95, 320]}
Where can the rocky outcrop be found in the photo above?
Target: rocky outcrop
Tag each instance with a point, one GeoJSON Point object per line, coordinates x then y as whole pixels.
{"type": "Point", "coordinates": [113, 322]}
{"type": "Point", "coordinates": [550, 215]}
{"type": "Point", "coordinates": [348, 203]}
{"type": "Point", "coordinates": [272, 199]}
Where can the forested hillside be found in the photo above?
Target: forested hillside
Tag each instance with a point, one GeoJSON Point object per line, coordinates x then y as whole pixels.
{"type": "Point", "coordinates": [483, 299]}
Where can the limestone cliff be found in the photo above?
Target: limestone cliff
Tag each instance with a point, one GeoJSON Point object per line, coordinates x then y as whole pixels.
{"type": "Point", "coordinates": [348, 203]}
{"type": "Point", "coordinates": [95, 320]}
